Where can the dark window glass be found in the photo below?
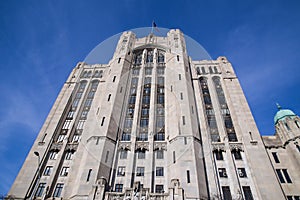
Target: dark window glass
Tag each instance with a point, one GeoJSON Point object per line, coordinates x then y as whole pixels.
{"type": "Point", "coordinates": [159, 171]}
{"type": "Point", "coordinates": [247, 193]}
{"type": "Point", "coordinates": [121, 171]}
{"type": "Point", "coordinates": [159, 188]}
{"type": "Point", "coordinates": [140, 171]}
{"type": "Point", "coordinates": [141, 154]}
{"type": "Point", "coordinates": [123, 154]}
{"type": "Point", "coordinates": [40, 190]}
{"type": "Point", "coordinates": [237, 154]}
{"type": "Point", "coordinates": [226, 193]}
{"type": "Point", "coordinates": [222, 172]}
{"type": "Point", "coordinates": [188, 178]}
{"type": "Point", "coordinates": [160, 136]}
{"type": "Point", "coordinates": [242, 172]}
{"type": "Point", "coordinates": [219, 155]}
{"type": "Point", "coordinates": [279, 174]}
{"type": "Point", "coordinates": [275, 157]}
{"type": "Point", "coordinates": [118, 187]}
{"type": "Point", "coordinates": [126, 137]}
{"type": "Point", "coordinates": [286, 175]}
{"type": "Point", "coordinates": [160, 154]}
{"type": "Point", "coordinates": [144, 122]}
{"type": "Point", "coordinates": [142, 137]}
{"type": "Point", "coordinates": [58, 190]}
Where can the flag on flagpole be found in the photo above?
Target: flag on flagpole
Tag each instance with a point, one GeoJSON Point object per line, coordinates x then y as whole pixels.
{"type": "Point", "coordinates": [154, 26]}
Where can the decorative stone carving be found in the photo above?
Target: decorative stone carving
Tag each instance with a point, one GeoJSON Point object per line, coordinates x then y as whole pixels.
{"type": "Point", "coordinates": [124, 146]}
{"type": "Point", "coordinates": [218, 147]}
{"type": "Point", "coordinates": [236, 146]}
{"type": "Point", "coordinates": [56, 146]}
{"type": "Point", "coordinates": [142, 146]}
{"type": "Point", "coordinates": [160, 146]}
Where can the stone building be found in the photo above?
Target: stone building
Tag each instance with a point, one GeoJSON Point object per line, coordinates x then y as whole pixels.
{"type": "Point", "coordinates": [153, 123]}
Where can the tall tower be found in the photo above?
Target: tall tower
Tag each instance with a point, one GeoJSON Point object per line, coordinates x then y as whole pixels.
{"type": "Point", "coordinates": [152, 123]}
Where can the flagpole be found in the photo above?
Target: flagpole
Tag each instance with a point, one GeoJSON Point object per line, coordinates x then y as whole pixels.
{"type": "Point", "coordinates": [152, 27]}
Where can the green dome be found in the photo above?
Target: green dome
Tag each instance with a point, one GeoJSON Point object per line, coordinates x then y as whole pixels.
{"type": "Point", "coordinates": [282, 114]}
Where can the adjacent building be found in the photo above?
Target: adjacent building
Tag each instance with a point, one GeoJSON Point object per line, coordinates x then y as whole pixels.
{"type": "Point", "coordinates": [155, 124]}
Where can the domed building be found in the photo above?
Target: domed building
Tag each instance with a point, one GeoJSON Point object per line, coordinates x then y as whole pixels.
{"type": "Point", "coordinates": [284, 151]}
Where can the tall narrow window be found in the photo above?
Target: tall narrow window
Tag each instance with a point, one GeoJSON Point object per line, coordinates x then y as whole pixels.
{"type": "Point", "coordinates": [183, 120]}
{"type": "Point", "coordinates": [181, 95]}
{"type": "Point", "coordinates": [108, 97]}
{"type": "Point", "coordinates": [119, 60]}
{"type": "Point", "coordinates": [123, 154]}
{"type": "Point", "coordinates": [89, 175]}
{"type": "Point", "coordinates": [121, 171]}
{"type": "Point", "coordinates": [188, 179]}
{"type": "Point", "coordinates": [177, 58]}
{"type": "Point", "coordinates": [48, 171]}
{"type": "Point", "coordinates": [102, 122]}
{"type": "Point", "coordinates": [237, 154]}
{"type": "Point", "coordinates": [159, 171]}
{"type": "Point", "coordinates": [279, 174]}
{"type": "Point", "coordinates": [40, 190]}
{"type": "Point", "coordinates": [64, 171]}
{"type": "Point", "coordinates": [226, 193]}
{"type": "Point", "coordinates": [174, 157]}
{"type": "Point", "coordinates": [247, 193]}
{"type": "Point", "coordinates": [275, 157]}
{"type": "Point", "coordinates": [106, 156]}
{"type": "Point", "coordinates": [58, 190]}
{"type": "Point", "coordinates": [114, 79]}
{"type": "Point", "coordinates": [218, 155]}
{"type": "Point", "coordinates": [286, 175]}
{"type": "Point", "coordinates": [179, 76]}
{"type": "Point", "coordinates": [140, 171]}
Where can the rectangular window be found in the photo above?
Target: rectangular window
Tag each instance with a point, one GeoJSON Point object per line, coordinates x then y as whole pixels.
{"type": "Point", "coordinates": [61, 137]}
{"type": "Point", "coordinates": [159, 171]}
{"type": "Point", "coordinates": [160, 70]}
{"type": "Point", "coordinates": [144, 122]}
{"type": "Point", "coordinates": [274, 154]}
{"type": "Point", "coordinates": [160, 81]}
{"type": "Point", "coordinates": [121, 171]}
{"type": "Point", "coordinates": [226, 193]}
{"type": "Point", "coordinates": [140, 171]}
{"type": "Point", "coordinates": [118, 187]}
{"type": "Point", "coordinates": [80, 124]}
{"type": "Point", "coordinates": [148, 71]}
{"type": "Point", "coordinates": [218, 155]}
{"type": "Point", "coordinates": [147, 80]}
{"type": "Point", "coordinates": [289, 197]}
{"type": "Point", "coordinates": [108, 99]}
{"type": "Point", "coordinates": [102, 122]}
{"type": "Point", "coordinates": [183, 120]}
{"type": "Point", "coordinates": [64, 171]}
{"type": "Point", "coordinates": [160, 154]}
{"type": "Point", "coordinates": [222, 172]}
{"type": "Point", "coordinates": [69, 155]}
{"type": "Point", "coordinates": [159, 188]}
{"type": "Point", "coordinates": [106, 156]}
{"type": "Point", "coordinates": [279, 174]}
{"type": "Point", "coordinates": [89, 175]}
{"type": "Point", "coordinates": [84, 114]}
{"type": "Point", "coordinates": [48, 171]}
{"type": "Point", "coordinates": [286, 175]}
{"type": "Point", "coordinates": [123, 154]}
{"type": "Point", "coordinates": [67, 124]}
{"type": "Point", "coordinates": [40, 190]}
{"type": "Point", "coordinates": [179, 76]}
{"type": "Point", "coordinates": [88, 102]}
{"type": "Point", "coordinates": [141, 154]}
{"type": "Point", "coordinates": [114, 79]}
{"type": "Point", "coordinates": [70, 115]}
{"type": "Point", "coordinates": [242, 172]}
{"type": "Point", "coordinates": [174, 157]}
{"type": "Point", "coordinates": [181, 95]}
{"type": "Point", "coordinates": [237, 154]}
{"type": "Point", "coordinates": [53, 155]}
{"type": "Point", "coordinates": [160, 99]}
{"type": "Point", "coordinates": [128, 123]}
{"type": "Point", "coordinates": [58, 189]}
{"type": "Point", "coordinates": [76, 138]}
{"type": "Point", "coordinates": [188, 179]}
{"type": "Point", "coordinates": [247, 193]}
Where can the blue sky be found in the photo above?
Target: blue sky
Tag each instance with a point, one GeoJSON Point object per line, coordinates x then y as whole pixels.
{"type": "Point", "coordinates": [41, 41]}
